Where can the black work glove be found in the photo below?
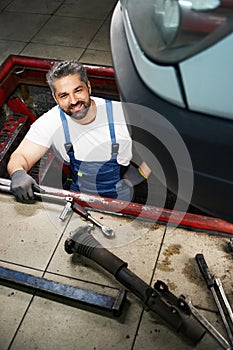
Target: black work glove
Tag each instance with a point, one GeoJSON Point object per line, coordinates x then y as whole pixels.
{"type": "Point", "coordinates": [132, 176]}
{"type": "Point", "coordinates": [23, 185]}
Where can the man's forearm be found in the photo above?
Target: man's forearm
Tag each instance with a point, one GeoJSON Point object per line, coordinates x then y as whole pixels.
{"type": "Point", "coordinates": [144, 170]}
{"type": "Point", "coordinates": [17, 162]}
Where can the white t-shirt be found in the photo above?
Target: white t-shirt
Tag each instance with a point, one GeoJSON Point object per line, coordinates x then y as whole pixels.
{"type": "Point", "coordinates": [91, 142]}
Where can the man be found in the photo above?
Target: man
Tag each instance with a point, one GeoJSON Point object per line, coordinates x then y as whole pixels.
{"type": "Point", "coordinates": [88, 133]}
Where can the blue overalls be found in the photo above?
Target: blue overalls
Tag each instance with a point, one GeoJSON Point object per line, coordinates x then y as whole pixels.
{"type": "Point", "coordinates": [97, 177]}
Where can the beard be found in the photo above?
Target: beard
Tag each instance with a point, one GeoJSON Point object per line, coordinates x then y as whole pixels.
{"type": "Point", "coordinates": [81, 114]}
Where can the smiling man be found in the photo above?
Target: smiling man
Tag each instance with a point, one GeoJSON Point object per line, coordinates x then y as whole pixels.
{"type": "Point", "coordinates": [87, 133]}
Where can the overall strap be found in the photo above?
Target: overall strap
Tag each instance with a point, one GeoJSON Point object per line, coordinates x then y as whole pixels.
{"type": "Point", "coordinates": [68, 143]}
{"type": "Point", "coordinates": [115, 145]}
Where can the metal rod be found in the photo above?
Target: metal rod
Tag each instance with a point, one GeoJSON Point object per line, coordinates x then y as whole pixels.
{"type": "Point", "coordinates": [64, 291]}
{"type": "Point", "coordinates": [219, 286]}
{"type": "Point", "coordinates": [222, 314]}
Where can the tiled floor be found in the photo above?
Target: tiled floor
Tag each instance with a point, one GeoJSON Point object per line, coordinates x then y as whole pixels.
{"type": "Point", "coordinates": [32, 236]}
{"type": "Point", "coordinates": [56, 29]}
{"type": "Point", "coordinates": [34, 243]}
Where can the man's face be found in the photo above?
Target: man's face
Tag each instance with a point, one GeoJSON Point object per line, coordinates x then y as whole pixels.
{"type": "Point", "coordinates": [73, 96]}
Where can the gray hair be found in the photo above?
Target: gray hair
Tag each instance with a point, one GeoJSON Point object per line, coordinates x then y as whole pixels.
{"type": "Point", "coordinates": [64, 68]}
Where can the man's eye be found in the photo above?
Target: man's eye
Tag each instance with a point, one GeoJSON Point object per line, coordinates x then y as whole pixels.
{"type": "Point", "coordinates": [77, 91]}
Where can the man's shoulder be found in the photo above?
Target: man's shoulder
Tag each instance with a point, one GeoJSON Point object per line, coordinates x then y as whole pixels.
{"type": "Point", "coordinates": [98, 100]}
{"type": "Point", "coordinates": [52, 113]}
{"type": "Point", "coordinates": [101, 101]}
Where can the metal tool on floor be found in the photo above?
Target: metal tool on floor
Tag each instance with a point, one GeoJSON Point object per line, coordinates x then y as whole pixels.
{"type": "Point", "coordinates": [208, 326]}
{"type": "Point", "coordinates": [107, 231]}
{"type": "Point", "coordinates": [224, 298]}
{"type": "Point", "coordinates": [218, 293]}
{"type": "Point", "coordinates": [230, 246]}
{"type": "Point", "coordinates": [64, 292]}
{"type": "Point", "coordinates": [158, 299]}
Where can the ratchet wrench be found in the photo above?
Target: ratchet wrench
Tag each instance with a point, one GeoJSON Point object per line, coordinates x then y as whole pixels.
{"type": "Point", "coordinates": [107, 231]}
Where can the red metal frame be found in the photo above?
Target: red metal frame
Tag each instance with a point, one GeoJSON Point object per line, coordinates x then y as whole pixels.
{"type": "Point", "coordinates": [9, 130]}
{"type": "Point", "coordinates": [18, 106]}
{"type": "Point", "coordinates": [18, 70]}
{"type": "Point", "coordinates": [151, 213]}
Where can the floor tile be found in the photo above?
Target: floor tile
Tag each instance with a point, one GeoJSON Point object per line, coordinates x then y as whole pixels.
{"type": "Point", "coordinates": [20, 28]}
{"type": "Point", "coordinates": [49, 325]}
{"type": "Point", "coordinates": [178, 265]}
{"type": "Point", "coordinates": [31, 239]}
{"type": "Point", "coordinates": [101, 41]}
{"type": "Point", "coordinates": [153, 333]}
{"type": "Point", "coordinates": [102, 58]}
{"type": "Point", "coordinates": [35, 6]}
{"type": "Point", "coordinates": [67, 31]}
{"type": "Point", "coordinates": [87, 8]}
{"type": "Point", "coordinates": [10, 48]}
{"type": "Point", "coordinates": [52, 51]}
{"type": "Point", "coordinates": [13, 305]}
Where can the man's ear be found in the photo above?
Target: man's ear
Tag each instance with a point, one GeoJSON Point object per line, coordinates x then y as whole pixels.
{"type": "Point", "coordinates": [89, 87]}
{"type": "Point", "coordinates": [54, 97]}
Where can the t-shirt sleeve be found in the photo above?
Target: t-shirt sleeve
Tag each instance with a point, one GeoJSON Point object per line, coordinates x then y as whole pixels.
{"type": "Point", "coordinates": [125, 152]}
{"type": "Point", "coordinates": [41, 131]}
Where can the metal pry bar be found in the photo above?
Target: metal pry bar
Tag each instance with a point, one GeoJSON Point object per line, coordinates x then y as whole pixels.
{"type": "Point", "coordinates": [219, 287]}
{"type": "Point", "coordinates": [64, 292]}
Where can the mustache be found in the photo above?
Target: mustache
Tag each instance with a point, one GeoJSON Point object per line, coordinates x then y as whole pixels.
{"type": "Point", "coordinates": [76, 104]}
{"type": "Point", "coordinates": [85, 104]}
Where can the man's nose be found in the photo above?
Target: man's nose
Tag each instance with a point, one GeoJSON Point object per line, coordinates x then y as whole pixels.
{"type": "Point", "coordinates": [72, 99]}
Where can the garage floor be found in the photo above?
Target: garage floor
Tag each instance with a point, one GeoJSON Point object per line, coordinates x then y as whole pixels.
{"type": "Point", "coordinates": [32, 241]}
{"type": "Point", "coordinates": [57, 29]}
{"type": "Point", "coordinates": [32, 236]}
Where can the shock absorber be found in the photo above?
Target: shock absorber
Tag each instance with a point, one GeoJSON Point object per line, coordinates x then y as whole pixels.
{"type": "Point", "coordinates": [158, 299]}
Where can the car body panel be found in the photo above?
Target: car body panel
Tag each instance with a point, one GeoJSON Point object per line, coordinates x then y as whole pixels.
{"type": "Point", "coordinates": [208, 138]}
{"type": "Point", "coordinates": [168, 85]}
{"type": "Point", "coordinates": [206, 76]}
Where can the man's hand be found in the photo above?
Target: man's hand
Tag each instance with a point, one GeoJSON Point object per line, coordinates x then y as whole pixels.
{"type": "Point", "coordinates": [22, 185]}
{"type": "Point", "coordinates": [133, 176]}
